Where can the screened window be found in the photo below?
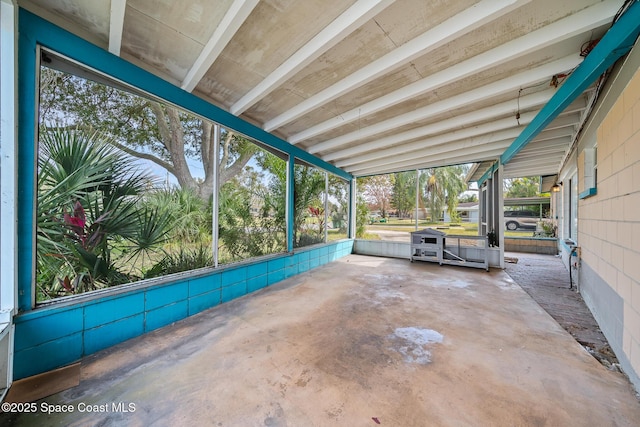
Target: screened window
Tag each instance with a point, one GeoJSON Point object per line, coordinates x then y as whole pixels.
{"type": "Point", "coordinates": [252, 202]}
{"type": "Point", "coordinates": [573, 208]}
{"type": "Point", "coordinates": [130, 187]}
{"type": "Point", "coordinates": [390, 206]}
{"type": "Point", "coordinates": [589, 170]}
{"type": "Point", "coordinates": [309, 222]}
{"type": "Point", "coordinates": [337, 208]}
{"type": "Point", "coordinates": [124, 186]}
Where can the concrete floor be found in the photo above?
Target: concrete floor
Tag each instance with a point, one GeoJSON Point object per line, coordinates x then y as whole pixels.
{"type": "Point", "coordinates": [359, 342]}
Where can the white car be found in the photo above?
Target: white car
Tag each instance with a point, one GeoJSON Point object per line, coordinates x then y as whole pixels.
{"type": "Point", "coordinates": [520, 219]}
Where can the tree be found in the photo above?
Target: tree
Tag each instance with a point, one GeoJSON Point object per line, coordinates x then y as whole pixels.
{"type": "Point", "coordinates": [338, 191]}
{"type": "Point", "coordinates": [247, 224]}
{"type": "Point", "coordinates": [362, 217]}
{"type": "Point", "coordinates": [307, 201]}
{"type": "Point", "coordinates": [377, 191]}
{"type": "Point", "coordinates": [309, 186]}
{"type": "Point", "coordinates": [404, 192]}
{"type": "Point", "coordinates": [143, 128]}
{"type": "Point", "coordinates": [443, 188]}
{"type": "Point", "coordinates": [522, 187]}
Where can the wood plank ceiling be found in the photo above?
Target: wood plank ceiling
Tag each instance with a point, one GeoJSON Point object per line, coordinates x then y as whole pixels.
{"type": "Point", "coordinates": [372, 86]}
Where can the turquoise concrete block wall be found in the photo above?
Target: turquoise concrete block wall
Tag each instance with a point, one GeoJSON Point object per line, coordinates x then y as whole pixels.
{"type": "Point", "coordinates": [55, 336]}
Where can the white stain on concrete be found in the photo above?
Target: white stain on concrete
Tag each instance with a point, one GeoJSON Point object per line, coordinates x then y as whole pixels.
{"type": "Point", "coordinates": [390, 294]}
{"type": "Point", "coordinates": [419, 336]}
{"type": "Point", "coordinates": [460, 284]}
{"type": "Point", "coordinates": [383, 279]}
{"type": "Point", "coordinates": [385, 287]}
{"type": "Point", "coordinates": [414, 343]}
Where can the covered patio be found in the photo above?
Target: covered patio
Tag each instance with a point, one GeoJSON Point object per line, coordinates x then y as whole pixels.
{"type": "Point", "coordinates": [360, 342]}
{"type": "Point", "coordinates": [343, 90]}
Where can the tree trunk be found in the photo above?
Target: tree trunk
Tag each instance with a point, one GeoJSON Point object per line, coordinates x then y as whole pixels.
{"type": "Point", "coordinates": [172, 136]}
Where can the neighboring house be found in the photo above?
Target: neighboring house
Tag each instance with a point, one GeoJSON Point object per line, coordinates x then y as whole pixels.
{"type": "Point", "coordinates": [468, 212]}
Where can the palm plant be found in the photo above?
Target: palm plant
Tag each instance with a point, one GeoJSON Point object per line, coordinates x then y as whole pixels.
{"type": "Point", "coordinates": [191, 216]}
{"type": "Point", "coordinates": [244, 230]}
{"type": "Point", "coordinates": [89, 204]}
{"type": "Point", "coordinates": [435, 194]}
{"type": "Point", "coordinates": [362, 216]}
{"type": "Point", "coordinates": [182, 260]}
{"type": "Point", "coordinates": [443, 187]}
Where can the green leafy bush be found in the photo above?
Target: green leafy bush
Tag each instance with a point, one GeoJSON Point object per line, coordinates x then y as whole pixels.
{"type": "Point", "coordinates": [91, 219]}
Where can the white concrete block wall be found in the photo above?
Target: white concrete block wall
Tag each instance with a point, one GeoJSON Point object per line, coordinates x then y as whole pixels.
{"type": "Point", "coordinates": [609, 226]}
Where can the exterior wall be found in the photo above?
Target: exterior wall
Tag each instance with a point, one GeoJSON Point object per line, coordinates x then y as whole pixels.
{"type": "Point", "coordinates": [609, 217]}
{"type": "Point", "coordinates": [55, 336]}
{"type": "Point", "coordinates": [385, 248]}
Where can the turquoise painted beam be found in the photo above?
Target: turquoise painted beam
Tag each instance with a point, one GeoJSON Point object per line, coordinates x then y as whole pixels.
{"type": "Point", "coordinates": [616, 42]}
{"type": "Point", "coordinates": [488, 173]}
{"type": "Point", "coordinates": [36, 30]}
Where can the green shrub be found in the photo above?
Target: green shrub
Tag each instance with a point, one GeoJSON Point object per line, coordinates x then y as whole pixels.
{"type": "Point", "coordinates": [183, 260]}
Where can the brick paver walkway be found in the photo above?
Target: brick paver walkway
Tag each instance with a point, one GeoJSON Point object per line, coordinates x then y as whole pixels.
{"type": "Point", "coordinates": [546, 280]}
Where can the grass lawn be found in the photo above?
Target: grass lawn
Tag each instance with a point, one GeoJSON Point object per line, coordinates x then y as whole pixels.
{"type": "Point", "coordinates": [464, 229]}
{"type": "Point", "coordinates": [335, 234]}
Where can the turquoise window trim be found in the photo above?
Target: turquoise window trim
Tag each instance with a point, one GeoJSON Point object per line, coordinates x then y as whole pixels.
{"type": "Point", "coordinates": [351, 233]}
{"type": "Point", "coordinates": [26, 164]}
{"type": "Point", "coordinates": [588, 193]}
{"type": "Point", "coordinates": [35, 31]}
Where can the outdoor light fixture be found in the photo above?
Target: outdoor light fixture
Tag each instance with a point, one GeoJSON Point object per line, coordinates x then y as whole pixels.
{"type": "Point", "coordinates": [555, 188]}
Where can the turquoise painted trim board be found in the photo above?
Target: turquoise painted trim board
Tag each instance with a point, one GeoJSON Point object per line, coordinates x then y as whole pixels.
{"type": "Point", "coordinates": [34, 31]}
{"type": "Point", "coordinates": [616, 43]}
{"type": "Point", "coordinates": [26, 167]}
{"type": "Point", "coordinates": [290, 202]}
{"type": "Point", "coordinates": [48, 338]}
{"type": "Point", "coordinates": [588, 193]}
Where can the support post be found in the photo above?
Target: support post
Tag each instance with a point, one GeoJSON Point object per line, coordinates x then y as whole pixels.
{"type": "Point", "coordinates": [216, 191]}
{"type": "Point", "coordinates": [289, 208]}
{"type": "Point", "coordinates": [417, 196]}
{"type": "Point", "coordinates": [352, 208]}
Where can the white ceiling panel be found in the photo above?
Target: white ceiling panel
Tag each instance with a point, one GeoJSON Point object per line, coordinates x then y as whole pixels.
{"type": "Point", "coordinates": [370, 86]}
